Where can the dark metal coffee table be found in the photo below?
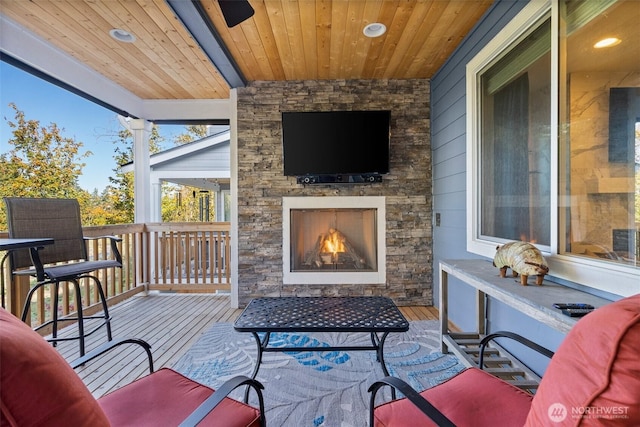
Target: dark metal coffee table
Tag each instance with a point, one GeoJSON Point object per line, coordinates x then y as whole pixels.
{"type": "Point", "coordinates": [378, 316]}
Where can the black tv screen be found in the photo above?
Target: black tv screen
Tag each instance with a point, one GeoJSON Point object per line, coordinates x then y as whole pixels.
{"type": "Point", "coordinates": [335, 142]}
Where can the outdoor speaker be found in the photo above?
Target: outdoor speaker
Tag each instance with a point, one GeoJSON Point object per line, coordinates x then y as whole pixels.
{"type": "Point", "coordinates": [307, 179]}
{"type": "Point", "coordinates": [235, 11]}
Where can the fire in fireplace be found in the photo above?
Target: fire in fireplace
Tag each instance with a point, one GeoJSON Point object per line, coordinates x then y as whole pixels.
{"type": "Point", "coordinates": [334, 248]}
{"type": "Point", "coordinates": [333, 239]}
{"type": "Point", "coordinates": [330, 240]}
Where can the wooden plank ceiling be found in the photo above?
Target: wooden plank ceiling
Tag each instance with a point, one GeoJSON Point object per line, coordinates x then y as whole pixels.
{"type": "Point", "coordinates": [284, 40]}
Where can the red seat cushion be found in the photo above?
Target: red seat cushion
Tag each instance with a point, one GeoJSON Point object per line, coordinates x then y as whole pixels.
{"type": "Point", "coordinates": [167, 398]}
{"type": "Point", "coordinates": [37, 386]}
{"type": "Point", "coordinates": [594, 377]}
{"type": "Point", "coordinates": [471, 398]}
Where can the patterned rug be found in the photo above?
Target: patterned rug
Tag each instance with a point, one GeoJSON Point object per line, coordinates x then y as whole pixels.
{"type": "Point", "coordinates": [318, 389]}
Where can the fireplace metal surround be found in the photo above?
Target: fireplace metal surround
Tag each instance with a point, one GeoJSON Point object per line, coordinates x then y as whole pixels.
{"type": "Point", "coordinates": [375, 273]}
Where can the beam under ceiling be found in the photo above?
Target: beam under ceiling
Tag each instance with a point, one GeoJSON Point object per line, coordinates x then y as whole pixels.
{"type": "Point", "coordinates": [195, 19]}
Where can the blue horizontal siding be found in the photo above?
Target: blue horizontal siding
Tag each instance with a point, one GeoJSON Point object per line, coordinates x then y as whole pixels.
{"type": "Point", "coordinates": [448, 142]}
{"type": "Point", "coordinates": [448, 127]}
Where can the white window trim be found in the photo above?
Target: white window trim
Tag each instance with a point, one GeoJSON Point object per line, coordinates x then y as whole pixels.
{"type": "Point", "coordinates": [600, 275]}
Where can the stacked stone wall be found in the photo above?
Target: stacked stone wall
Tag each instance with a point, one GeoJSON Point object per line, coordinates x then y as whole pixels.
{"type": "Point", "coordinates": [407, 187]}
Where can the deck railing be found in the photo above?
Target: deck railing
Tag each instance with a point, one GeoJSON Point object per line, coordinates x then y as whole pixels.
{"type": "Point", "coordinates": [176, 257]}
{"type": "Point", "coordinates": [189, 257]}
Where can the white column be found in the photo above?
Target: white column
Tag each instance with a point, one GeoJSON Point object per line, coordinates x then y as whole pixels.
{"type": "Point", "coordinates": [141, 130]}
{"type": "Point", "coordinates": [156, 200]}
{"type": "Point", "coordinates": [219, 205]}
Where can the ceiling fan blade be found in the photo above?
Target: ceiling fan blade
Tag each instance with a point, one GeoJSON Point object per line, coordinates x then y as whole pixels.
{"type": "Point", "coordinates": [235, 11]}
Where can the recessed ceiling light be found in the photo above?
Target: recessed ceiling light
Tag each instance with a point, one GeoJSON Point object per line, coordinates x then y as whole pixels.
{"type": "Point", "coordinates": [122, 35]}
{"type": "Point", "coordinates": [375, 29]}
{"type": "Point", "coordinates": [608, 42]}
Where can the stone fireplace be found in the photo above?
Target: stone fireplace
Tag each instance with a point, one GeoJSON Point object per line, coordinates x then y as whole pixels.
{"type": "Point", "coordinates": [333, 240]}
{"type": "Point", "coordinates": [404, 257]}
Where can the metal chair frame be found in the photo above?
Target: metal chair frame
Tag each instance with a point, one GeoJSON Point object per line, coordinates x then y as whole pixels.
{"type": "Point", "coordinates": [424, 405]}
{"type": "Point", "coordinates": [64, 261]}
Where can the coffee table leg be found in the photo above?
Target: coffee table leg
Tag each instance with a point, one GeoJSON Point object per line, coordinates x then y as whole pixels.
{"type": "Point", "coordinates": [379, 343]}
{"type": "Point", "coordinates": [261, 344]}
{"type": "Point", "coordinates": [376, 344]}
{"type": "Point", "coordinates": [381, 354]}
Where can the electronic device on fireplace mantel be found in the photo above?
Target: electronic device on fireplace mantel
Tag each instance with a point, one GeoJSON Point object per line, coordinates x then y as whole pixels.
{"type": "Point", "coordinates": [336, 147]}
{"type": "Point", "coordinates": [369, 178]}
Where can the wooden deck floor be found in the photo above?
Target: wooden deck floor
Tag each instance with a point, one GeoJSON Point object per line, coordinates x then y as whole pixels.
{"type": "Point", "coordinates": [171, 323]}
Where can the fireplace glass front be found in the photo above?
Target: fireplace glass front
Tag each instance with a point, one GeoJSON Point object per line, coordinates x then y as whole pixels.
{"type": "Point", "coordinates": [330, 240]}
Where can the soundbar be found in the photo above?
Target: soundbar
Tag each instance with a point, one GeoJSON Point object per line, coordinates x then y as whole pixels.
{"type": "Point", "coordinates": [368, 178]}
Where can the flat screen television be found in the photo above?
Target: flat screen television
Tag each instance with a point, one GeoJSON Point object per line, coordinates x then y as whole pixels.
{"type": "Point", "coordinates": [336, 142]}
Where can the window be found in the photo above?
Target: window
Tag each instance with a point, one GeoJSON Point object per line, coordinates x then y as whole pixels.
{"type": "Point", "coordinates": [553, 153]}
{"type": "Point", "coordinates": [600, 98]}
{"type": "Point", "coordinates": [515, 150]}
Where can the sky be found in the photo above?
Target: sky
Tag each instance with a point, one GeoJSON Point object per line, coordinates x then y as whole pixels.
{"type": "Point", "coordinates": [93, 125]}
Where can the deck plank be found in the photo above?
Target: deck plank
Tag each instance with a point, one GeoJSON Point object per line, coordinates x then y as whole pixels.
{"type": "Point", "coordinates": [171, 323]}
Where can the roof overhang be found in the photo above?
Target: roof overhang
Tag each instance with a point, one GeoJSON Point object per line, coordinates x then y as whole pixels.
{"type": "Point", "coordinates": [24, 49]}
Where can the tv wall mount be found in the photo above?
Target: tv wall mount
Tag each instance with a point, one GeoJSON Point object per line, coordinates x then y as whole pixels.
{"type": "Point", "coordinates": [365, 178]}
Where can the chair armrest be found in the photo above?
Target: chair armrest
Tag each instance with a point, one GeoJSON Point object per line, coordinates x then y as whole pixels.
{"type": "Point", "coordinates": [116, 238]}
{"type": "Point", "coordinates": [110, 345]}
{"type": "Point", "coordinates": [414, 397]}
{"type": "Point", "coordinates": [512, 335]}
{"type": "Point", "coordinates": [114, 245]}
{"type": "Point", "coordinates": [37, 263]}
{"type": "Point", "coordinates": [218, 396]}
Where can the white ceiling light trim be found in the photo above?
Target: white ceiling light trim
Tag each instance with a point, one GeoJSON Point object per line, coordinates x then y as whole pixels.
{"type": "Point", "coordinates": [375, 29]}
{"type": "Point", "coordinates": [122, 35]}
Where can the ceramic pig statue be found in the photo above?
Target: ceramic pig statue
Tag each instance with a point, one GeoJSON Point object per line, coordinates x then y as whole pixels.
{"type": "Point", "coordinates": [523, 258]}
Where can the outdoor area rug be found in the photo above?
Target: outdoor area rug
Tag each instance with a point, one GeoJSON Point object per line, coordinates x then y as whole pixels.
{"type": "Point", "coordinates": [318, 389]}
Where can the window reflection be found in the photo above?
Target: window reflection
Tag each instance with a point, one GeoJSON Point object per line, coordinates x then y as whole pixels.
{"type": "Point", "coordinates": [600, 109]}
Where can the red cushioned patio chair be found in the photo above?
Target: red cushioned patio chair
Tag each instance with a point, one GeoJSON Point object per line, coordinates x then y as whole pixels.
{"type": "Point", "coordinates": [592, 379]}
{"type": "Point", "coordinates": [39, 388]}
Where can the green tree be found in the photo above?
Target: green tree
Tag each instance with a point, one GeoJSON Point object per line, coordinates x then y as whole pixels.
{"type": "Point", "coordinates": [41, 163]}
{"type": "Point", "coordinates": [192, 133]}
{"type": "Point", "coordinates": [96, 209]}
